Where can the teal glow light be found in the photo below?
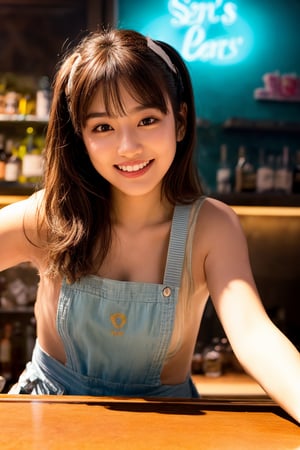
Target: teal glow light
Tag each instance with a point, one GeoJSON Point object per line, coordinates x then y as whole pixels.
{"type": "Point", "coordinates": [211, 32]}
{"type": "Point", "coordinates": [207, 32]}
{"type": "Point", "coordinates": [270, 31]}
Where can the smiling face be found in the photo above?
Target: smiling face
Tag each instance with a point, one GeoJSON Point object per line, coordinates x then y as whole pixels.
{"type": "Point", "coordinates": [132, 151]}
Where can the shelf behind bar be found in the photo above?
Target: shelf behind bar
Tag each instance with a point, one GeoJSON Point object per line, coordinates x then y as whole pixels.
{"type": "Point", "coordinates": [263, 125]}
{"type": "Point", "coordinates": [255, 199]}
{"type": "Point", "coordinates": [10, 192]}
{"type": "Point", "coordinates": [15, 188]}
{"type": "Point", "coordinates": [21, 118]}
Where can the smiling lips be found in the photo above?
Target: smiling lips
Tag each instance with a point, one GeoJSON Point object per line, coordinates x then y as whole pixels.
{"type": "Point", "coordinates": [133, 168]}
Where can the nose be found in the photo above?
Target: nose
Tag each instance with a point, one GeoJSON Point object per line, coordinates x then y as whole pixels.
{"type": "Point", "coordinates": [129, 144]}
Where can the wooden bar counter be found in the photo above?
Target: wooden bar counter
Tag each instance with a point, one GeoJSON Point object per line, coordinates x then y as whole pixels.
{"type": "Point", "coordinates": [75, 422]}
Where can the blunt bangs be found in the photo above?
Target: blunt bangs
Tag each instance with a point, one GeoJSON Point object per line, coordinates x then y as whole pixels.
{"type": "Point", "coordinates": [137, 88]}
{"type": "Point", "coordinates": [147, 87]}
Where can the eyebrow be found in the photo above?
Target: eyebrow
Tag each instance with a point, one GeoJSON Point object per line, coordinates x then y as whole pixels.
{"type": "Point", "coordinates": [93, 115]}
{"type": "Point", "coordinates": [98, 114]}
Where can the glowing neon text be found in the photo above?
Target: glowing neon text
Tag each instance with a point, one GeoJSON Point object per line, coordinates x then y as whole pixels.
{"type": "Point", "coordinates": [198, 17]}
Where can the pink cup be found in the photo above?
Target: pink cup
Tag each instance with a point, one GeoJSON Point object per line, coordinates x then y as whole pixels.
{"type": "Point", "coordinates": [289, 85]}
{"type": "Point", "coordinates": [273, 83]}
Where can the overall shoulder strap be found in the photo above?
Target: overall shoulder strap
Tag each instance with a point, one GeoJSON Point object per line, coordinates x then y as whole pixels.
{"type": "Point", "coordinates": [177, 244]}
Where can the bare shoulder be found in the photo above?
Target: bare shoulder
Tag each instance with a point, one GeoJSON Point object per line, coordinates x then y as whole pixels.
{"type": "Point", "coordinates": [19, 229]}
{"type": "Point", "coordinates": [220, 243]}
{"type": "Point", "coordinates": [217, 217]}
{"type": "Point", "coordinates": [218, 231]}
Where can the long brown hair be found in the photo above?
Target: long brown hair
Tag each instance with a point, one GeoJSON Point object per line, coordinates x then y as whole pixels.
{"type": "Point", "coordinates": [77, 197]}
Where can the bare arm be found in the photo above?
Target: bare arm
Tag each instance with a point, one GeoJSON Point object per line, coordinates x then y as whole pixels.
{"type": "Point", "coordinates": [261, 348]}
{"type": "Point", "coordinates": [15, 248]}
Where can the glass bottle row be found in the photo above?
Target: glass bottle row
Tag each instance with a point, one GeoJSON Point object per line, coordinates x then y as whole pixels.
{"type": "Point", "coordinates": [274, 173]}
{"type": "Point", "coordinates": [21, 161]}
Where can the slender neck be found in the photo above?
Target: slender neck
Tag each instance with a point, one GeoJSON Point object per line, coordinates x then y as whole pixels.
{"type": "Point", "coordinates": [137, 212]}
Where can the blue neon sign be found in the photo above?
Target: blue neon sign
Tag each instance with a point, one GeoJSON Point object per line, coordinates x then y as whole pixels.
{"type": "Point", "coordinates": [211, 31]}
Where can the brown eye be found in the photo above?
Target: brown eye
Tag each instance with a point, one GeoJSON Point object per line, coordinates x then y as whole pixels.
{"type": "Point", "coordinates": [148, 121]}
{"type": "Point", "coordinates": [103, 128]}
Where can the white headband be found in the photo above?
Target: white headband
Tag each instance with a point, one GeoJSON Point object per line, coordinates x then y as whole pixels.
{"type": "Point", "coordinates": [69, 87]}
{"type": "Point", "coordinates": [161, 53]}
{"type": "Point", "coordinates": [150, 43]}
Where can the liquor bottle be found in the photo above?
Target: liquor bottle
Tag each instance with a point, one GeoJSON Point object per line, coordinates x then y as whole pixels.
{"type": "Point", "coordinates": [283, 172]}
{"type": "Point", "coordinates": [227, 354]}
{"type": "Point", "coordinates": [2, 157]}
{"type": "Point", "coordinates": [13, 163]}
{"type": "Point", "coordinates": [296, 174]}
{"type": "Point", "coordinates": [223, 176]}
{"type": "Point", "coordinates": [32, 161]}
{"type": "Point", "coordinates": [13, 166]}
{"type": "Point", "coordinates": [245, 177]}
{"type": "Point", "coordinates": [43, 98]}
{"type": "Point", "coordinates": [27, 104]}
{"type": "Point", "coordinates": [212, 359]}
{"type": "Point", "coordinates": [265, 173]}
{"type": "Point", "coordinates": [11, 102]}
{"type": "Point", "coordinates": [197, 359]}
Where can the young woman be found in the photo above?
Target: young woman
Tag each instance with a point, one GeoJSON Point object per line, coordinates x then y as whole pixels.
{"type": "Point", "coordinates": [127, 247]}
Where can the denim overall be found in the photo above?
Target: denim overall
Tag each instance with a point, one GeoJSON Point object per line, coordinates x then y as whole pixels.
{"type": "Point", "coordinates": [116, 334]}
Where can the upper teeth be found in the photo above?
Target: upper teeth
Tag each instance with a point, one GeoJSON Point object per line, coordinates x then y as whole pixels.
{"type": "Point", "coordinates": [134, 168]}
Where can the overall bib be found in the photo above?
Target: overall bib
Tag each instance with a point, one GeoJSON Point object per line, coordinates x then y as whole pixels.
{"type": "Point", "coordinates": [116, 334]}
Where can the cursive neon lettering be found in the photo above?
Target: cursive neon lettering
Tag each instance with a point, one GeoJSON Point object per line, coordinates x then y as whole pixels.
{"type": "Point", "coordinates": [197, 17]}
{"type": "Point", "coordinates": [180, 13]}
{"type": "Point", "coordinates": [230, 14]}
{"type": "Point", "coordinates": [212, 17]}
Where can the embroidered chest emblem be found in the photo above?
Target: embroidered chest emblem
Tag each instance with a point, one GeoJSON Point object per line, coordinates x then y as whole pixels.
{"type": "Point", "coordinates": [118, 321]}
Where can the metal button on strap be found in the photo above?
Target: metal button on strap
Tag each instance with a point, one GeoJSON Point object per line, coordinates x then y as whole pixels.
{"type": "Point", "coordinates": [167, 292]}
